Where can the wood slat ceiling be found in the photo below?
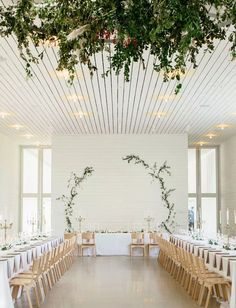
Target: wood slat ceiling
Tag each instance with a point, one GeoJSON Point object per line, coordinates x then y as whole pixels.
{"type": "Point", "coordinates": [47, 105]}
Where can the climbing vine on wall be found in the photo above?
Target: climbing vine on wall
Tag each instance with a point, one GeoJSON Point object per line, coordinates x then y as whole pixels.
{"type": "Point", "coordinates": [157, 175]}
{"type": "Point", "coordinates": [73, 186]}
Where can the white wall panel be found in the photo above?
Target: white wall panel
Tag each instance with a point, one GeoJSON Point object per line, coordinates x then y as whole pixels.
{"type": "Point", "coordinates": [228, 182]}
{"type": "Point", "coordinates": [118, 195]}
{"type": "Point", "coordinates": [9, 180]}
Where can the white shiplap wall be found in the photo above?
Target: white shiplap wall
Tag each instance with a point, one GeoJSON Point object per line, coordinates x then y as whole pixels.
{"type": "Point", "coordinates": [118, 195]}
{"type": "Point", "coordinates": [9, 180]}
{"type": "Point", "coordinates": [228, 182]}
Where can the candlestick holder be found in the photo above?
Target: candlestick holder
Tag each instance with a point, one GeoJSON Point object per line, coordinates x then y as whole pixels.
{"type": "Point", "coordinates": [80, 219]}
{"type": "Point", "coordinates": [5, 226]}
{"type": "Point", "coordinates": [32, 222]}
{"type": "Point", "coordinates": [149, 220]}
{"type": "Point", "coordinates": [228, 231]}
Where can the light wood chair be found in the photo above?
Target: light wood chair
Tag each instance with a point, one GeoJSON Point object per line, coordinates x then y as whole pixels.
{"type": "Point", "coordinates": [192, 273]}
{"type": "Point", "coordinates": [137, 239]}
{"type": "Point", "coordinates": [30, 281]}
{"type": "Point", "coordinates": [88, 241]}
{"type": "Point", "coordinates": [153, 242]}
{"type": "Point", "coordinates": [68, 236]}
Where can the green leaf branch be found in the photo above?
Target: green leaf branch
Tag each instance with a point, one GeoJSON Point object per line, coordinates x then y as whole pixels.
{"type": "Point", "coordinates": [73, 186]}
{"type": "Point", "coordinates": [157, 174]}
{"type": "Point", "coordinates": [173, 30]}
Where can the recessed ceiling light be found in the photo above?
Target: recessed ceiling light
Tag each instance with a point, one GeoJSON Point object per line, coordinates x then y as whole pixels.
{"type": "Point", "coordinates": [159, 114]}
{"type": "Point", "coordinates": [75, 97]}
{"type": "Point", "coordinates": [4, 114]}
{"type": "Point", "coordinates": [37, 143]}
{"type": "Point", "coordinates": [80, 114]}
{"type": "Point", "coordinates": [211, 135]}
{"type": "Point", "coordinates": [201, 143]}
{"type": "Point", "coordinates": [166, 97]}
{"type": "Point", "coordinates": [222, 126]}
{"type": "Point", "coordinates": [28, 136]}
{"type": "Point", "coordinates": [60, 74]}
{"type": "Point", "coordinates": [17, 126]}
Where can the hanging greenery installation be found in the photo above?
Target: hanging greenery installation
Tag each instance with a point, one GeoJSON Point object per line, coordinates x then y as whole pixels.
{"type": "Point", "coordinates": [173, 30]}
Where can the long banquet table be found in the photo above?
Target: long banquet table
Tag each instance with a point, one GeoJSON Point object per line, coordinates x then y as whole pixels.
{"type": "Point", "coordinates": [18, 259]}
{"type": "Point", "coordinates": [216, 259]}
{"type": "Point", "coordinates": [116, 244]}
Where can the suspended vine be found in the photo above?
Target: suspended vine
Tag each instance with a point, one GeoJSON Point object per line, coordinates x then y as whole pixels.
{"type": "Point", "coordinates": [157, 174]}
{"type": "Point", "coordinates": [73, 185]}
{"type": "Point", "coordinates": [174, 30]}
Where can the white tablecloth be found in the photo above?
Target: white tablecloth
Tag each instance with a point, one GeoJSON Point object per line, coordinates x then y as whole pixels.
{"type": "Point", "coordinates": [116, 244]}
{"type": "Point", "coordinates": [18, 259]}
{"type": "Point", "coordinates": [216, 258]}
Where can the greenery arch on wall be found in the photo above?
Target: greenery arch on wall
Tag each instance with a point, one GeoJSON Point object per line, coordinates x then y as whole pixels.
{"type": "Point", "coordinates": [157, 175]}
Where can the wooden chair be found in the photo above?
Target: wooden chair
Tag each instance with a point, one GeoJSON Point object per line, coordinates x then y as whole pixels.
{"type": "Point", "coordinates": [137, 239]}
{"type": "Point", "coordinates": [153, 242]}
{"type": "Point", "coordinates": [88, 241]}
{"type": "Point", "coordinates": [212, 283]}
{"type": "Point", "coordinates": [68, 236]}
{"type": "Point", "coordinates": [30, 281]}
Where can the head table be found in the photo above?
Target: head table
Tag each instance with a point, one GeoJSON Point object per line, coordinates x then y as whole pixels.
{"type": "Point", "coordinates": [216, 258]}
{"type": "Point", "coordinates": [18, 259]}
{"type": "Point", "coordinates": [116, 244]}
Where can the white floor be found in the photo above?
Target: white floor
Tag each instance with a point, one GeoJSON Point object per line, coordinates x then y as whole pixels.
{"type": "Point", "coordinates": [117, 282]}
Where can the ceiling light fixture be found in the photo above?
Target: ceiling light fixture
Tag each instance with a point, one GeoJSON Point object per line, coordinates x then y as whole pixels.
{"type": "Point", "coordinates": [60, 74]}
{"type": "Point", "coordinates": [202, 143]}
{"type": "Point", "coordinates": [211, 136]}
{"type": "Point", "coordinates": [166, 97]}
{"type": "Point", "coordinates": [4, 114]}
{"type": "Point", "coordinates": [222, 126]}
{"type": "Point", "coordinates": [159, 114]}
{"type": "Point", "coordinates": [28, 136]}
{"type": "Point", "coordinates": [17, 126]}
{"type": "Point", "coordinates": [75, 97]}
{"type": "Point", "coordinates": [80, 114]}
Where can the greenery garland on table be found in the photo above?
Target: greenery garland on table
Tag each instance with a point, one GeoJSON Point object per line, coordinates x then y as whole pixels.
{"type": "Point", "coordinates": [74, 183]}
{"type": "Point", "coordinates": [156, 174]}
{"type": "Point", "coordinates": [173, 30]}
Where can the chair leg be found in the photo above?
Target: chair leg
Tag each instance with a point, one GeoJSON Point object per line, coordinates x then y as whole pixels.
{"type": "Point", "coordinates": [15, 291]}
{"type": "Point", "coordinates": [28, 298]}
{"type": "Point", "coordinates": [208, 297]}
{"type": "Point", "coordinates": [37, 296]}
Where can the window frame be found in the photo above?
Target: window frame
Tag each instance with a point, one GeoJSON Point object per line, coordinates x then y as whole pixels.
{"type": "Point", "coordinates": [199, 195]}
{"type": "Point", "coordinates": [39, 195]}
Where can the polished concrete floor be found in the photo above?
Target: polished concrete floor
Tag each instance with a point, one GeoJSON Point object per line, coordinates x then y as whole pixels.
{"type": "Point", "coordinates": [117, 282]}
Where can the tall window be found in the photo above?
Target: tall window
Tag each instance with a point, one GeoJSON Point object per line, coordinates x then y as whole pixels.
{"type": "Point", "coordinates": [35, 189]}
{"type": "Point", "coordinates": [203, 188]}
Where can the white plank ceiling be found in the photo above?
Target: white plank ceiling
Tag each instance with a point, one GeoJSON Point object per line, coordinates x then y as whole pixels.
{"type": "Point", "coordinates": [47, 105]}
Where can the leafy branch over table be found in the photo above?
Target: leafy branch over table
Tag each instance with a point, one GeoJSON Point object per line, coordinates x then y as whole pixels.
{"type": "Point", "coordinates": [157, 174]}
{"type": "Point", "coordinates": [174, 31]}
{"type": "Point", "coordinates": [74, 183]}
